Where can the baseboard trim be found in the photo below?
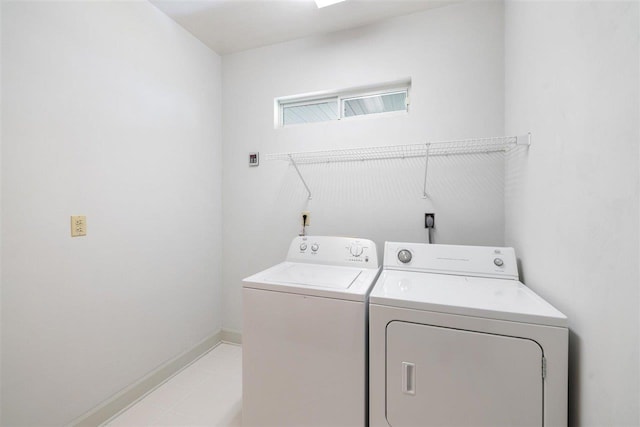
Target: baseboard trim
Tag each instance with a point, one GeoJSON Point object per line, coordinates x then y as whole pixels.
{"type": "Point", "coordinates": [233, 337]}
{"type": "Point", "coordinates": [131, 394]}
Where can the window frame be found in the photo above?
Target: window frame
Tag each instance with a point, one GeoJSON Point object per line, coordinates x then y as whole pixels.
{"type": "Point", "coordinates": [377, 93]}
{"type": "Point", "coordinates": [311, 101]}
{"type": "Point", "coordinates": [340, 96]}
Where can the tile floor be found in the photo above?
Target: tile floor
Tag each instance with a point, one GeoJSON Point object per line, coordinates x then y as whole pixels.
{"type": "Point", "coordinates": [206, 393]}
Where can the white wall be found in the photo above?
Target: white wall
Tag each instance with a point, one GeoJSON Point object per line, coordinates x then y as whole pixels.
{"type": "Point", "coordinates": [572, 78]}
{"type": "Point", "coordinates": [1, 108]}
{"type": "Point", "coordinates": [454, 56]}
{"type": "Point", "coordinates": [110, 110]}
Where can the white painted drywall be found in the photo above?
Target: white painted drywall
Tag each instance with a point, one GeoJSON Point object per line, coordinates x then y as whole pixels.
{"type": "Point", "coordinates": [454, 56]}
{"type": "Point", "coordinates": [1, 3]}
{"type": "Point", "coordinates": [110, 110]}
{"type": "Point", "coordinates": [572, 78]}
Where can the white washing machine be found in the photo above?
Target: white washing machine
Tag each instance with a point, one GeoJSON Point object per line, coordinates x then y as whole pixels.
{"type": "Point", "coordinates": [304, 339]}
{"type": "Point", "coordinates": [457, 340]}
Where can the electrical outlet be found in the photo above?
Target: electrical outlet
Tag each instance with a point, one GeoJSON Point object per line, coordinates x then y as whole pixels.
{"type": "Point", "coordinates": [78, 225]}
{"type": "Point", "coordinates": [305, 220]}
{"type": "Point", "coordinates": [429, 220]}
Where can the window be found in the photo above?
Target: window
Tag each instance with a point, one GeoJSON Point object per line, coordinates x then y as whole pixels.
{"type": "Point", "coordinates": [309, 111]}
{"type": "Point", "coordinates": [381, 99]}
{"type": "Point", "coordinates": [374, 104]}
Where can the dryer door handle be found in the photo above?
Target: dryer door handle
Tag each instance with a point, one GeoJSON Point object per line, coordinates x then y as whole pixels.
{"type": "Point", "coordinates": [409, 378]}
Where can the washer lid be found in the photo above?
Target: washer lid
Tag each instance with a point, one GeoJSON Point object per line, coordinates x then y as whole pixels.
{"type": "Point", "coordinates": [322, 276]}
{"type": "Point", "coordinates": [501, 299]}
{"type": "Point", "coordinates": [330, 281]}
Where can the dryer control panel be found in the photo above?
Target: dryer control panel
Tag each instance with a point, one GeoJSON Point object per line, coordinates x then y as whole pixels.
{"type": "Point", "coordinates": [480, 261]}
{"type": "Point", "coordinates": [346, 251]}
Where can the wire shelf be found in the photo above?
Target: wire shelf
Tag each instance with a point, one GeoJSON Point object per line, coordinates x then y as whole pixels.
{"type": "Point", "coordinates": [473, 146]}
{"type": "Point", "coordinates": [443, 148]}
{"type": "Point", "coordinates": [353, 154]}
{"type": "Point", "coordinates": [430, 149]}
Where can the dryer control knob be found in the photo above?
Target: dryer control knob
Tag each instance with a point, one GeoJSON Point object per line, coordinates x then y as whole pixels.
{"type": "Point", "coordinates": [303, 246]}
{"type": "Point", "coordinates": [314, 247]}
{"type": "Point", "coordinates": [404, 256]}
{"type": "Point", "coordinates": [498, 262]}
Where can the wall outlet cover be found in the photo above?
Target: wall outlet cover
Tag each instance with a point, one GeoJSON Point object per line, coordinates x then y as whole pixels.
{"type": "Point", "coordinates": [305, 221]}
{"type": "Point", "coordinates": [429, 220]}
{"type": "Point", "coordinates": [78, 225]}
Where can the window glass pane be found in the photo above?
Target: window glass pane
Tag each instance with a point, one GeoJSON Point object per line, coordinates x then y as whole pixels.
{"type": "Point", "coordinates": [309, 113]}
{"type": "Point", "coordinates": [375, 104]}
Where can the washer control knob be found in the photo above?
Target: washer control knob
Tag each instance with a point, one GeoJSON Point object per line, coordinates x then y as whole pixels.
{"type": "Point", "coordinates": [498, 262]}
{"type": "Point", "coordinates": [303, 246]}
{"type": "Point", "coordinates": [404, 256]}
{"type": "Point", "coordinates": [356, 250]}
{"type": "Point", "coordinates": [314, 247]}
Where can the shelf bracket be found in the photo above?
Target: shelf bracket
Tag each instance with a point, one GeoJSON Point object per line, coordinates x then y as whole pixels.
{"type": "Point", "coordinates": [426, 165]}
{"type": "Point", "coordinates": [293, 162]}
{"type": "Point", "coordinates": [524, 139]}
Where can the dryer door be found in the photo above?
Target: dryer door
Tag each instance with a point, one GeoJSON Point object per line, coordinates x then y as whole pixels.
{"type": "Point", "coordinates": [450, 377]}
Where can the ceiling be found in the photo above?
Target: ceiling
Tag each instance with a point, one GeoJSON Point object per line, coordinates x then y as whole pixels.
{"type": "Point", "coordinates": [228, 26]}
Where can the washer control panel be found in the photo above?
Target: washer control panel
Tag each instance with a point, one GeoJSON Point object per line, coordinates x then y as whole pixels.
{"type": "Point", "coordinates": [480, 261]}
{"type": "Point", "coordinates": [346, 251]}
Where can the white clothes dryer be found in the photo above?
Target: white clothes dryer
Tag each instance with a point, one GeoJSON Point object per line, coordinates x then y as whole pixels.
{"type": "Point", "coordinates": [304, 340]}
{"type": "Point", "coordinates": [457, 340]}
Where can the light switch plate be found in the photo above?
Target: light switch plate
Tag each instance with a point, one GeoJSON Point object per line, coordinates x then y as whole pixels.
{"type": "Point", "coordinates": [78, 225]}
